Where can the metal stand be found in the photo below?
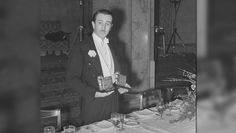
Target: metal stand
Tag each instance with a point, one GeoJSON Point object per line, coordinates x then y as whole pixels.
{"type": "Point", "coordinates": [172, 41]}
{"type": "Point", "coordinates": [159, 31]}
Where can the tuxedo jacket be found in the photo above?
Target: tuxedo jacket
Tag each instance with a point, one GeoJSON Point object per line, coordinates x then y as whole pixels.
{"type": "Point", "coordinates": [82, 72]}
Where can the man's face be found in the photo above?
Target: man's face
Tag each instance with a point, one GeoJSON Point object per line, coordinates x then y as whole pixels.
{"type": "Point", "coordinates": [102, 25]}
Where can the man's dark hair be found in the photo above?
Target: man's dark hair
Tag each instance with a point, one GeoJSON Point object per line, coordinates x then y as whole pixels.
{"type": "Point", "coordinates": [102, 11]}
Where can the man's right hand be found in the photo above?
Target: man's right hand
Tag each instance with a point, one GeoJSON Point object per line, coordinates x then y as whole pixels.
{"type": "Point", "coordinates": [102, 94]}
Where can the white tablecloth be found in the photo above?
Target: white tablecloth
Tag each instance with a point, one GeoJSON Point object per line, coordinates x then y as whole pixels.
{"type": "Point", "coordinates": [153, 124]}
{"type": "Point", "coordinates": [211, 121]}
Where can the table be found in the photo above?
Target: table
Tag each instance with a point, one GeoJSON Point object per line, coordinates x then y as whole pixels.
{"type": "Point", "coordinates": [211, 121]}
{"type": "Point", "coordinates": [150, 124]}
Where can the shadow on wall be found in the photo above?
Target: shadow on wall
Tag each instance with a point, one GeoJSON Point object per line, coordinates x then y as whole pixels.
{"type": "Point", "coordinates": [19, 67]}
{"type": "Point", "coordinates": [120, 47]}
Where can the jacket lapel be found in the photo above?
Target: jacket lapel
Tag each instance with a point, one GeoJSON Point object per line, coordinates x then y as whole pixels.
{"type": "Point", "coordinates": [96, 60]}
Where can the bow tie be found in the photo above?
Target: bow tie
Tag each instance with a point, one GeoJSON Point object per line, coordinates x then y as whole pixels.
{"type": "Point", "coordinates": [106, 41]}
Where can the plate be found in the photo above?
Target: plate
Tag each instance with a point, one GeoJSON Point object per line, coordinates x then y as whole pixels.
{"type": "Point", "coordinates": [131, 123]}
{"type": "Point", "coordinates": [144, 114]}
{"type": "Point", "coordinates": [130, 118]}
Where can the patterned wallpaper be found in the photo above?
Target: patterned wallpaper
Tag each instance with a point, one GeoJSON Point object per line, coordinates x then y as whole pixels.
{"type": "Point", "coordinates": [52, 39]}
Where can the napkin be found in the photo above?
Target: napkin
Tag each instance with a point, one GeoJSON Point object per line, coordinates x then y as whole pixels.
{"type": "Point", "coordinates": [138, 129]}
{"type": "Point", "coordinates": [83, 129]}
{"type": "Point", "coordinates": [102, 127]}
{"type": "Point", "coordinates": [154, 109]}
{"type": "Point", "coordinates": [144, 114]}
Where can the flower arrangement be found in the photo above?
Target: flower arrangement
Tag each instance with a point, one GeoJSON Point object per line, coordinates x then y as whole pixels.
{"type": "Point", "coordinates": [187, 107]}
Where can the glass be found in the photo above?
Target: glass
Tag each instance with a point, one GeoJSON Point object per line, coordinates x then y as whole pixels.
{"type": "Point", "coordinates": [122, 120]}
{"type": "Point", "coordinates": [49, 129]}
{"type": "Point", "coordinates": [161, 108]}
{"type": "Point", "coordinates": [69, 129]}
{"type": "Point", "coordinates": [115, 119]}
{"type": "Point", "coordinates": [118, 120]}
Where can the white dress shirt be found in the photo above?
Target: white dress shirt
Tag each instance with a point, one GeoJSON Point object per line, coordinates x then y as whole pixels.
{"type": "Point", "coordinates": [105, 56]}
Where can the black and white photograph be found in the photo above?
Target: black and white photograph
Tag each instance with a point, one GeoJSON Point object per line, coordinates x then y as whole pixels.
{"type": "Point", "coordinates": [112, 66]}
{"type": "Point", "coordinates": [117, 66]}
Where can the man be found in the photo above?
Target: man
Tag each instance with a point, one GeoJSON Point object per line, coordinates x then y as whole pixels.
{"type": "Point", "coordinates": [90, 59]}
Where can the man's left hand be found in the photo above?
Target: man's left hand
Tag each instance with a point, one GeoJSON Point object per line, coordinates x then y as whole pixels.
{"type": "Point", "coordinates": [123, 90]}
{"type": "Point", "coordinates": [127, 85]}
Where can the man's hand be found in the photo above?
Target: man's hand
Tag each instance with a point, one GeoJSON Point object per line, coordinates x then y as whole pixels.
{"type": "Point", "coordinates": [127, 85]}
{"type": "Point", "coordinates": [123, 90]}
{"type": "Point", "coordinates": [102, 94]}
